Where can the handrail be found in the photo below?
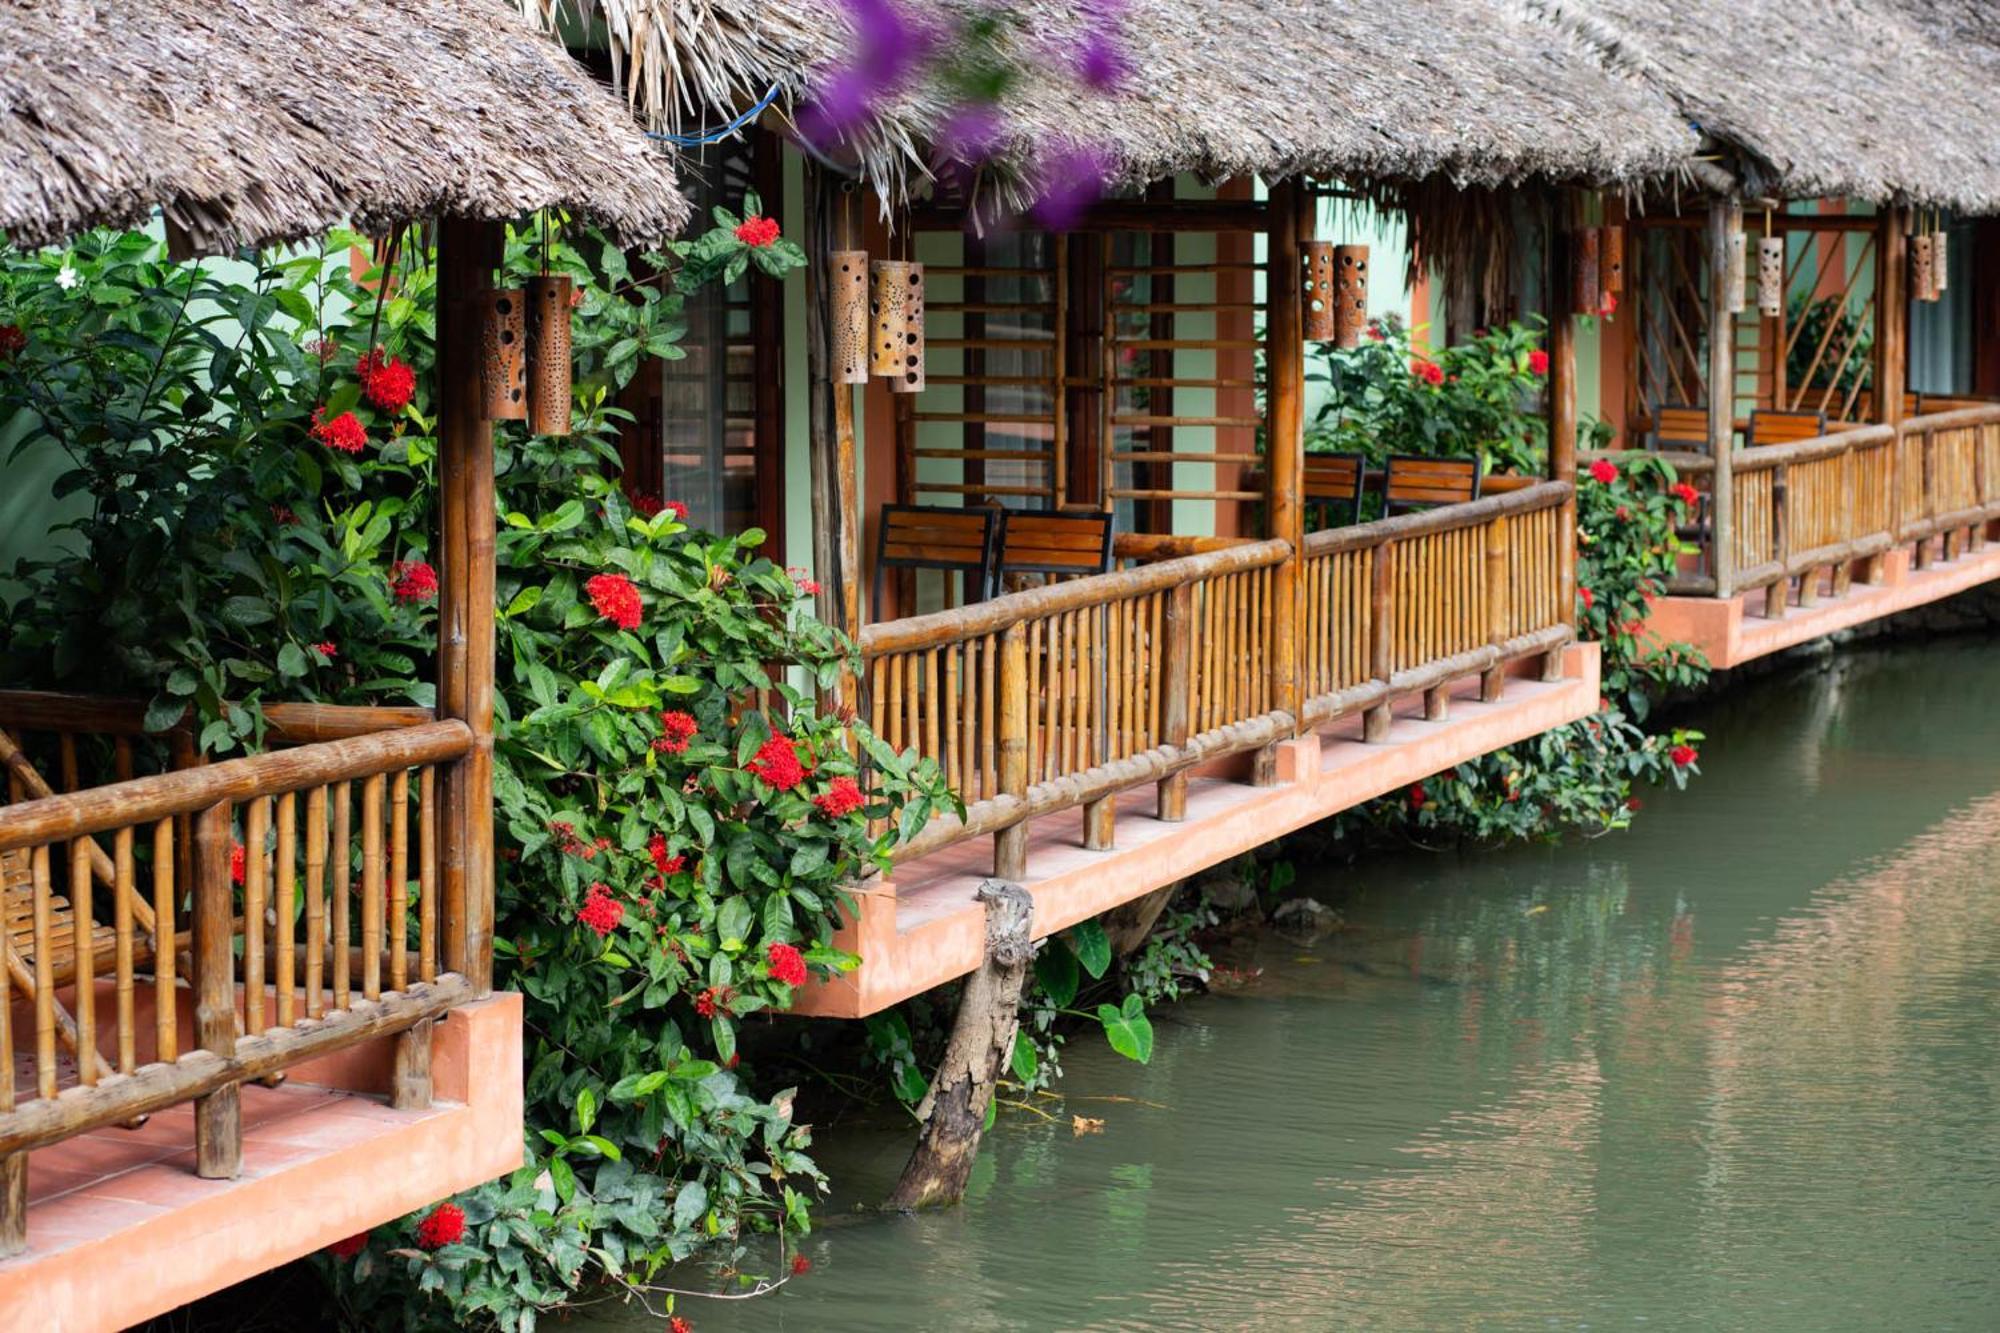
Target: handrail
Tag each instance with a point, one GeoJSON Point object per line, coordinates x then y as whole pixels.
{"type": "Point", "coordinates": [962, 623]}
{"type": "Point", "coordinates": [287, 723]}
{"type": "Point", "coordinates": [1954, 419]}
{"type": "Point", "coordinates": [1765, 456]}
{"type": "Point", "coordinates": [1681, 460]}
{"type": "Point", "coordinates": [1170, 546]}
{"type": "Point", "coordinates": [1446, 518]}
{"type": "Point", "coordinates": [163, 795]}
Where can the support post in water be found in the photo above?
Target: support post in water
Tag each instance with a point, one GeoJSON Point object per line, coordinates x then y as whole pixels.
{"type": "Point", "coordinates": [982, 1039]}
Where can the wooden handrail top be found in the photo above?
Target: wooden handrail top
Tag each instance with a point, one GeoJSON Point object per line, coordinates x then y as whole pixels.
{"type": "Point", "coordinates": [1805, 451]}
{"type": "Point", "coordinates": [161, 795]}
{"type": "Point", "coordinates": [1445, 518]}
{"type": "Point", "coordinates": [291, 723]}
{"type": "Point", "coordinates": [1169, 546]}
{"type": "Point", "coordinates": [1681, 460]}
{"type": "Point", "coordinates": [966, 622]}
{"type": "Point", "coordinates": [1957, 417]}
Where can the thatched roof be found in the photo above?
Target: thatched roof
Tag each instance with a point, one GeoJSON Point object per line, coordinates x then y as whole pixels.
{"type": "Point", "coordinates": [258, 120]}
{"type": "Point", "coordinates": [1473, 90]}
{"type": "Point", "coordinates": [1886, 100]}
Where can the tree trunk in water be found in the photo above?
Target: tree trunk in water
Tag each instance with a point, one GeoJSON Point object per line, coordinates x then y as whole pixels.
{"type": "Point", "coordinates": [982, 1039]}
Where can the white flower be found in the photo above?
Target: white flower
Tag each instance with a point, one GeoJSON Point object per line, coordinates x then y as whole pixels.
{"type": "Point", "coordinates": [66, 278]}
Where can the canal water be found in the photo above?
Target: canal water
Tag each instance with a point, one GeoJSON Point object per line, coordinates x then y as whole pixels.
{"type": "Point", "coordinates": [1733, 1069]}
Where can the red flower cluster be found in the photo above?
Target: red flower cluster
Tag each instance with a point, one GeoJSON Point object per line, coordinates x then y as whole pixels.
{"type": "Point", "coordinates": [345, 432]}
{"type": "Point", "coordinates": [666, 865]}
{"type": "Point", "coordinates": [388, 382]}
{"type": "Point", "coordinates": [677, 730]}
{"type": "Point", "coordinates": [616, 599]}
{"type": "Point", "coordinates": [777, 762]}
{"type": "Point", "coordinates": [757, 232]}
{"type": "Point", "coordinates": [12, 340]}
{"type": "Point", "coordinates": [347, 1249]}
{"type": "Point", "coordinates": [1589, 597]}
{"type": "Point", "coordinates": [413, 581]}
{"type": "Point", "coordinates": [645, 506]}
{"type": "Point", "coordinates": [328, 649]}
{"type": "Point", "coordinates": [238, 861]}
{"type": "Point", "coordinates": [323, 348]}
{"type": "Point", "coordinates": [1430, 372]}
{"type": "Point", "coordinates": [788, 965]}
{"type": "Point", "coordinates": [842, 797]}
{"type": "Point", "coordinates": [567, 842]}
{"type": "Point", "coordinates": [801, 1265]}
{"type": "Point", "coordinates": [1683, 755]}
{"type": "Point", "coordinates": [1538, 362]}
{"type": "Point", "coordinates": [1419, 797]}
{"type": "Point", "coordinates": [801, 582]}
{"type": "Point", "coordinates": [1375, 333]}
{"type": "Point", "coordinates": [1604, 472]}
{"type": "Point", "coordinates": [600, 911]}
{"type": "Point", "coordinates": [679, 1325]}
{"type": "Point", "coordinates": [709, 1001]}
{"type": "Point", "coordinates": [445, 1226]}
{"type": "Point", "coordinates": [1685, 493]}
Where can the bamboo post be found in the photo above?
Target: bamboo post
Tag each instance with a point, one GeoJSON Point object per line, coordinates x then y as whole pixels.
{"type": "Point", "coordinates": [1176, 688]}
{"type": "Point", "coordinates": [831, 452]}
{"type": "Point", "coordinates": [1284, 349]}
{"type": "Point", "coordinates": [218, 1116]}
{"type": "Point", "coordinates": [1725, 224]}
{"type": "Point", "coordinates": [1381, 640]}
{"type": "Point", "coordinates": [1562, 432]}
{"type": "Point", "coordinates": [1010, 845]}
{"type": "Point", "coordinates": [1494, 679]}
{"type": "Point", "coordinates": [1891, 364]}
{"type": "Point", "coordinates": [1775, 595]}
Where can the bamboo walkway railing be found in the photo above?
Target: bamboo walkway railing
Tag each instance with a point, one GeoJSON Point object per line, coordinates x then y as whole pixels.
{"type": "Point", "coordinates": [1065, 696]}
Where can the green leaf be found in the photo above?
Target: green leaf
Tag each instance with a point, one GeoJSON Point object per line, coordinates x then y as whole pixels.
{"type": "Point", "coordinates": [1025, 1062]}
{"type": "Point", "coordinates": [292, 660]}
{"type": "Point", "coordinates": [1128, 1029]}
{"type": "Point", "coordinates": [1093, 948]}
{"type": "Point", "coordinates": [733, 922]}
{"type": "Point", "coordinates": [586, 1110]}
{"type": "Point", "coordinates": [690, 1204]}
{"type": "Point", "coordinates": [164, 713]}
{"type": "Point", "coordinates": [1055, 968]}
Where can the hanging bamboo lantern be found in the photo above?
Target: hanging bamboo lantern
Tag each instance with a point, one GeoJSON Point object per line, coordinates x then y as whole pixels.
{"type": "Point", "coordinates": [503, 362]}
{"type": "Point", "coordinates": [1321, 325]}
{"type": "Point", "coordinates": [1350, 294]}
{"type": "Point", "coordinates": [1922, 264]}
{"type": "Point", "coordinates": [1771, 276]}
{"type": "Point", "coordinates": [1940, 269]}
{"type": "Point", "coordinates": [896, 337]}
{"type": "Point", "coordinates": [1611, 259]}
{"type": "Point", "coordinates": [1584, 262]}
{"type": "Point", "coordinates": [1735, 275]}
{"type": "Point", "coordinates": [847, 282]}
{"type": "Point", "coordinates": [548, 335]}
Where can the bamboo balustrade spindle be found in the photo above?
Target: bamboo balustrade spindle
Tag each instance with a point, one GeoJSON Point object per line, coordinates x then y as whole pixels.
{"type": "Point", "coordinates": [84, 949]}
{"type": "Point", "coordinates": [1010, 846]}
{"type": "Point", "coordinates": [166, 1027]}
{"type": "Point", "coordinates": [371, 888]}
{"type": "Point", "coordinates": [286, 892]}
{"type": "Point", "coordinates": [399, 881]}
{"type": "Point", "coordinates": [316, 850]}
{"type": "Point", "coordinates": [218, 1121]}
{"type": "Point", "coordinates": [343, 871]}
{"type": "Point", "coordinates": [257, 826]}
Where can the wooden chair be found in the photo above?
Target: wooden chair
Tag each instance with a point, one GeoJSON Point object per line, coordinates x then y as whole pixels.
{"type": "Point", "coordinates": [1335, 479]}
{"type": "Point", "coordinates": [1679, 427]}
{"type": "Point", "coordinates": [1414, 481]}
{"type": "Point", "coordinates": [1772, 427]}
{"type": "Point", "coordinates": [1057, 544]}
{"type": "Point", "coordinates": [950, 541]}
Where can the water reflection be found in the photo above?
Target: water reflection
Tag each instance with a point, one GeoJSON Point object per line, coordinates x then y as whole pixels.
{"type": "Point", "coordinates": [1734, 1069]}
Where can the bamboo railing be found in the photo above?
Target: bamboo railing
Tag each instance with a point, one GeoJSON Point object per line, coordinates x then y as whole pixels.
{"type": "Point", "coordinates": [1066, 696]}
{"type": "Point", "coordinates": [147, 964]}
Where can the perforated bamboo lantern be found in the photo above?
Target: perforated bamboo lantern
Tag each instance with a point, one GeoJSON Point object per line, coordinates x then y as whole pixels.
{"type": "Point", "coordinates": [1921, 265]}
{"type": "Point", "coordinates": [896, 334]}
{"type": "Point", "coordinates": [1321, 325]}
{"type": "Point", "coordinates": [1737, 273]}
{"type": "Point", "coordinates": [503, 361]}
{"type": "Point", "coordinates": [847, 283]}
{"type": "Point", "coordinates": [1611, 259]}
{"type": "Point", "coordinates": [1350, 294]}
{"type": "Point", "coordinates": [548, 336]}
{"type": "Point", "coordinates": [1583, 271]}
{"type": "Point", "coordinates": [1940, 269]}
{"type": "Point", "coordinates": [1771, 276]}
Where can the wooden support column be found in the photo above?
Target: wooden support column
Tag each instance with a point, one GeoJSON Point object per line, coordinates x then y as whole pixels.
{"type": "Point", "coordinates": [1176, 685]}
{"type": "Point", "coordinates": [1725, 219]}
{"type": "Point", "coordinates": [1284, 352]}
{"type": "Point", "coordinates": [831, 451]}
{"type": "Point", "coordinates": [1891, 368]}
{"type": "Point", "coordinates": [1010, 845]}
{"type": "Point", "coordinates": [1562, 414]}
{"type": "Point", "coordinates": [468, 252]}
{"type": "Point", "coordinates": [218, 1116]}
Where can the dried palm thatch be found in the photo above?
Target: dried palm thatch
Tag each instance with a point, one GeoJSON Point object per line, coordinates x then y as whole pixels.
{"type": "Point", "coordinates": [250, 121]}
{"type": "Point", "coordinates": [1474, 91]}
{"type": "Point", "coordinates": [1884, 100]}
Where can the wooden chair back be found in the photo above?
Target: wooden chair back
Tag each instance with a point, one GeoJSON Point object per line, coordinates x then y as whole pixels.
{"type": "Point", "coordinates": [935, 537]}
{"type": "Point", "coordinates": [1335, 479]}
{"type": "Point", "coordinates": [1414, 481]}
{"type": "Point", "coordinates": [1773, 427]}
{"type": "Point", "coordinates": [1068, 544]}
{"type": "Point", "coordinates": [1678, 426]}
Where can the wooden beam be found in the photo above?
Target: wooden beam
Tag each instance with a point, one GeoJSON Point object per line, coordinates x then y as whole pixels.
{"type": "Point", "coordinates": [1284, 324]}
{"type": "Point", "coordinates": [1891, 368]}
{"type": "Point", "coordinates": [1725, 219]}
{"type": "Point", "coordinates": [1562, 407]}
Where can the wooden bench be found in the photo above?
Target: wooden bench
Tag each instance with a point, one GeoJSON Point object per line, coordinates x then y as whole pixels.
{"type": "Point", "coordinates": [1057, 545]}
{"type": "Point", "coordinates": [1335, 479]}
{"type": "Point", "coordinates": [935, 537]}
{"type": "Point", "coordinates": [1414, 481]}
{"type": "Point", "coordinates": [1768, 426]}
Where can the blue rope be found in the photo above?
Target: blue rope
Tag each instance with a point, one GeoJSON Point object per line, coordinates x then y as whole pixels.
{"type": "Point", "coordinates": [712, 136]}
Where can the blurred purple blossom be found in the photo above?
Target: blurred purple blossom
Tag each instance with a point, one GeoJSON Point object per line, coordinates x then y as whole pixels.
{"type": "Point", "coordinates": [889, 44]}
{"type": "Point", "coordinates": [1102, 63]}
{"type": "Point", "coordinates": [971, 133]}
{"type": "Point", "coordinates": [1067, 182]}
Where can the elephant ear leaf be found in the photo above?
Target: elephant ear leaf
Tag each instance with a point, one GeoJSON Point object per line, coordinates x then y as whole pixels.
{"type": "Point", "coordinates": [1128, 1029]}
{"type": "Point", "coordinates": [1093, 948]}
{"type": "Point", "coordinates": [1055, 968]}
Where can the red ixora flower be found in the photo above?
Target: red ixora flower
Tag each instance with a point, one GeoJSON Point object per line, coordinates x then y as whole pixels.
{"type": "Point", "coordinates": [666, 865]}
{"type": "Point", "coordinates": [12, 340]}
{"type": "Point", "coordinates": [801, 1265]}
{"type": "Point", "coordinates": [1418, 796]}
{"type": "Point", "coordinates": [328, 649]}
{"type": "Point", "coordinates": [679, 1325]}
{"type": "Point", "coordinates": [1685, 493]}
{"type": "Point", "coordinates": [616, 599]}
{"type": "Point", "coordinates": [1430, 372]}
{"type": "Point", "coordinates": [239, 858]}
{"type": "Point", "coordinates": [757, 232]}
{"type": "Point", "coordinates": [413, 581]}
{"type": "Point", "coordinates": [801, 582]}
{"type": "Point", "coordinates": [445, 1226]}
{"type": "Point", "coordinates": [708, 1002]}
{"type": "Point", "coordinates": [388, 382]}
{"type": "Point", "coordinates": [1589, 598]}
{"type": "Point", "coordinates": [1538, 362]}
{"type": "Point", "coordinates": [645, 506]}
{"type": "Point", "coordinates": [347, 1249]}
{"type": "Point", "coordinates": [788, 965]}
{"type": "Point", "coordinates": [1683, 755]}
{"type": "Point", "coordinates": [1604, 471]}
{"type": "Point", "coordinates": [842, 797]}
{"type": "Point", "coordinates": [1375, 333]}
{"type": "Point", "coordinates": [677, 729]}
{"type": "Point", "coordinates": [777, 762]}
{"type": "Point", "coordinates": [600, 911]}
{"type": "Point", "coordinates": [345, 432]}
{"type": "Point", "coordinates": [1631, 803]}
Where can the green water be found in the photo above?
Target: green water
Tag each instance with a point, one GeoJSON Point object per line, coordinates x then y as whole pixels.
{"type": "Point", "coordinates": [1734, 1069]}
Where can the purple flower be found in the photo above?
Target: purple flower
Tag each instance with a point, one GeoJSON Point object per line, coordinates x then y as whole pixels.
{"type": "Point", "coordinates": [1102, 64]}
{"type": "Point", "coordinates": [971, 133]}
{"type": "Point", "coordinates": [1069, 181]}
{"type": "Point", "coordinates": [888, 44]}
